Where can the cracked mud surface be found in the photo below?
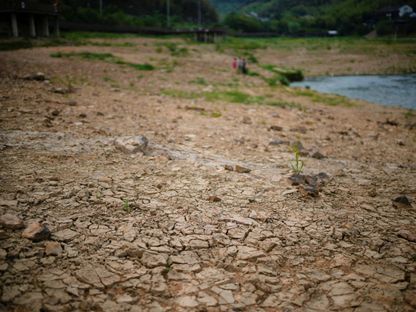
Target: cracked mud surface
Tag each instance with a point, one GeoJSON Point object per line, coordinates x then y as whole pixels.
{"type": "Point", "coordinates": [171, 229]}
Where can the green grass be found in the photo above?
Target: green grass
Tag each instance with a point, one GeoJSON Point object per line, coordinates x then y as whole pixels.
{"type": "Point", "coordinates": [291, 75]}
{"type": "Point", "coordinates": [327, 99]}
{"type": "Point", "coordinates": [230, 96]}
{"type": "Point", "coordinates": [104, 57]}
{"type": "Point", "coordinates": [174, 48]}
{"type": "Point", "coordinates": [233, 97]}
{"type": "Point", "coordinates": [199, 81]}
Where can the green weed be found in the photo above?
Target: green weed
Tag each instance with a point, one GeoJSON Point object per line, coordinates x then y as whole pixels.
{"type": "Point", "coordinates": [126, 206]}
{"type": "Point", "coordinates": [200, 81]}
{"type": "Point", "coordinates": [297, 164]}
{"type": "Point", "coordinates": [174, 48]}
{"type": "Point", "coordinates": [105, 57]}
{"type": "Point", "coordinates": [327, 99]}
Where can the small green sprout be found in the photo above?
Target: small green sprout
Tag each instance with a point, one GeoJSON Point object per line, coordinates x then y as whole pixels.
{"type": "Point", "coordinates": [297, 164]}
{"type": "Point", "coordinates": [126, 206]}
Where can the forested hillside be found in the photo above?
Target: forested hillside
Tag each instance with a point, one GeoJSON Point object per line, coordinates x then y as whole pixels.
{"type": "Point", "coordinates": [138, 12]}
{"type": "Point", "coordinates": [307, 16]}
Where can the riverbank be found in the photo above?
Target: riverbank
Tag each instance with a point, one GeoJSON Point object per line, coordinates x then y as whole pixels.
{"type": "Point", "coordinates": [201, 214]}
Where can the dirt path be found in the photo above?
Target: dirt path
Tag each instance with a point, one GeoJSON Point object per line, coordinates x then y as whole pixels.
{"type": "Point", "coordinates": [170, 228]}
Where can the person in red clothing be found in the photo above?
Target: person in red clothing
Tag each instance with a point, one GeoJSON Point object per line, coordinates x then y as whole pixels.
{"type": "Point", "coordinates": [235, 63]}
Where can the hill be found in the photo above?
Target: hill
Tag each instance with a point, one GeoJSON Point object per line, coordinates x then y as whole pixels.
{"type": "Point", "coordinates": [305, 16]}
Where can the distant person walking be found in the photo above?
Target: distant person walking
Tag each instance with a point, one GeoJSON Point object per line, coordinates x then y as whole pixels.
{"type": "Point", "coordinates": [244, 69]}
{"type": "Point", "coordinates": [235, 63]}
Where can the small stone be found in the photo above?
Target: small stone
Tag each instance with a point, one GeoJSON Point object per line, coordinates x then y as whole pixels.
{"type": "Point", "coordinates": [411, 237]}
{"type": "Point", "coordinates": [187, 301]}
{"type": "Point", "coordinates": [241, 169]}
{"type": "Point", "coordinates": [65, 235]}
{"type": "Point", "coordinates": [10, 221]}
{"type": "Point", "coordinates": [276, 128]}
{"type": "Point", "coordinates": [278, 142]}
{"type": "Point", "coordinates": [297, 179]}
{"type": "Point", "coordinates": [402, 201]}
{"type": "Point", "coordinates": [247, 120]}
{"type": "Point", "coordinates": [309, 190]}
{"type": "Point", "coordinates": [229, 168]}
{"type": "Point", "coordinates": [151, 260]}
{"type": "Point", "coordinates": [39, 76]}
{"type": "Point", "coordinates": [71, 103]}
{"type": "Point", "coordinates": [317, 155]}
{"type": "Point", "coordinates": [132, 144]}
{"type": "Point", "coordinates": [214, 199]}
{"type": "Point", "coordinates": [53, 249]}
{"type": "Point", "coordinates": [3, 234]}
{"type": "Point", "coordinates": [36, 232]}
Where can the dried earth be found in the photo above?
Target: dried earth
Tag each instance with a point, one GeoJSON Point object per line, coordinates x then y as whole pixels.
{"type": "Point", "coordinates": [97, 218]}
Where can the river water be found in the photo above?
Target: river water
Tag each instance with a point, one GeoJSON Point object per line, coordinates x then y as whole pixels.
{"type": "Point", "coordinates": [391, 90]}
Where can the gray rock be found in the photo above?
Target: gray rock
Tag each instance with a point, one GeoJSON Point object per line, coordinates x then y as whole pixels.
{"type": "Point", "coordinates": [36, 232]}
{"type": "Point", "coordinates": [53, 249]}
{"type": "Point", "coordinates": [152, 260]}
{"type": "Point", "coordinates": [187, 301]}
{"type": "Point", "coordinates": [132, 144]}
{"type": "Point", "coordinates": [241, 169]}
{"type": "Point", "coordinates": [65, 235]}
{"type": "Point", "coordinates": [11, 221]}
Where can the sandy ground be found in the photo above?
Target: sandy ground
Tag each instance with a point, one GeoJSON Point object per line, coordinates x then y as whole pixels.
{"type": "Point", "coordinates": [169, 228]}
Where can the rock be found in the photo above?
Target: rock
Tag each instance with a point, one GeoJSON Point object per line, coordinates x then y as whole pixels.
{"type": "Point", "coordinates": [241, 169]}
{"type": "Point", "coordinates": [239, 220]}
{"type": "Point", "coordinates": [206, 299]}
{"type": "Point", "coordinates": [276, 128]}
{"type": "Point", "coordinates": [402, 201]}
{"type": "Point", "coordinates": [317, 155]}
{"type": "Point", "coordinates": [132, 144]}
{"type": "Point", "coordinates": [39, 76]}
{"type": "Point", "coordinates": [228, 167]}
{"type": "Point", "coordinates": [62, 90]}
{"type": "Point", "coordinates": [10, 221]}
{"type": "Point", "coordinates": [278, 142]}
{"type": "Point", "coordinates": [8, 203]}
{"type": "Point", "coordinates": [297, 179]}
{"type": "Point", "coordinates": [65, 235]}
{"type": "Point", "coordinates": [71, 103]}
{"type": "Point", "coordinates": [410, 297]}
{"type": "Point", "coordinates": [247, 120]}
{"type": "Point", "coordinates": [214, 199]}
{"type": "Point", "coordinates": [309, 190]}
{"type": "Point", "coordinates": [187, 301]}
{"type": "Point", "coordinates": [36, 232]}
{"type": "Point", "coordinates": [411, 237]}
{"type": "Point", "coordinates": [53, 249]}
{"type": "Point", "coordinates": [153, 260]}
{"type": "Point", "coordinates": [249, 253]}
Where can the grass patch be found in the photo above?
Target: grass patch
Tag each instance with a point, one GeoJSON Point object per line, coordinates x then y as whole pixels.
{"type": "Point", "coordinates": [291, 75]}
{"type": "Point", "coordinates": [230, 96]}
{"type": "Point", "coordinates": [327, 99]}
{"type": "Point", "coordinates": [233, 97]}
{"type": "Point", "coordinates": [199, 81]}
{"type": "Point", "coordinates": [181, 94]}
{"type": "Point", "coordinates": [174, 48]}
{"type": "Point", "coordinates": [104, 57]}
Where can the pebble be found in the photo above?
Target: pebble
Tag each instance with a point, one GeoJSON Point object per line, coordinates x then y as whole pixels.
{"type": "Point", "coordinates": [10, 221]}
{"type": "Point", "coordinates": [36, 232]}
{"type": "Point", "coordinates": [53, 249]}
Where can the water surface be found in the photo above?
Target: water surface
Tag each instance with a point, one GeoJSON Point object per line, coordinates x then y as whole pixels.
{"type": "Point", "coordinates": [391, 90]}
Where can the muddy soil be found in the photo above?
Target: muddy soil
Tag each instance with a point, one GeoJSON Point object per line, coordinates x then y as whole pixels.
{"type": "Point", "coordinates": [203, 217]}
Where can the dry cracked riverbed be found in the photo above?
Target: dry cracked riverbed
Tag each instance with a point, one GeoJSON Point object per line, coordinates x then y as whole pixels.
{"type": "Point", "coordinates": [202, 215]}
